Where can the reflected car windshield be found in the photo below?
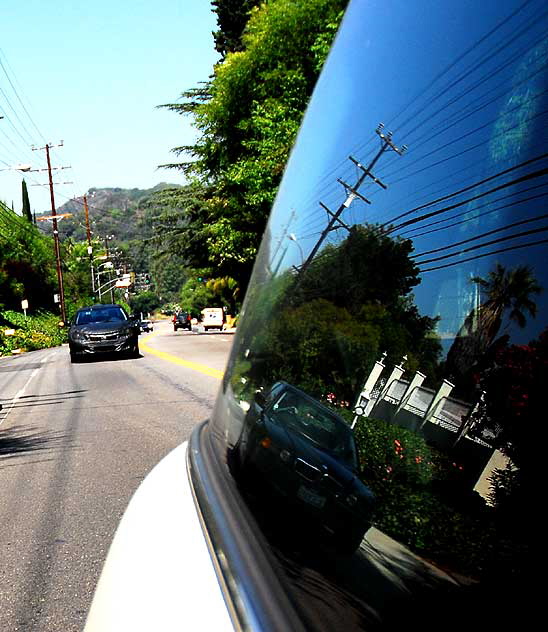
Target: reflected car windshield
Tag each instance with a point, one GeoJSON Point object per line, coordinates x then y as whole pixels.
{"type": "Point", "coordinates": [323, 429]}
{"type": "Point", "coordinates": [106, 315]}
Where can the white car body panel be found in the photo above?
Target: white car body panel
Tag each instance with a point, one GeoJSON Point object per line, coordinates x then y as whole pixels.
{"type": "Point", "coordinates": [159, 574]}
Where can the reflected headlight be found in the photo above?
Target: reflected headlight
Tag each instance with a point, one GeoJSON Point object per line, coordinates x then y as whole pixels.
{"type": "Point", "coordinates": [79, 335]}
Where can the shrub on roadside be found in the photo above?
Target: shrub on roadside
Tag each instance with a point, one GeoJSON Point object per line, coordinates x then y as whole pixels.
{"type": "Point", "coordinates": [39, 331]}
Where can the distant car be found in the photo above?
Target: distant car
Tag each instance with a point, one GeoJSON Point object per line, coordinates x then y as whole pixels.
{"type": "Point", "coordinates": [102, 329]}
{"type": "Point", "coordinates": [182, 320]}
{"type": "Point", "coordinates": [213, 318]}
{"type": "Point", "coordinates": [146, 325]}
{"type": "Point", "coordinates": [305, 455]}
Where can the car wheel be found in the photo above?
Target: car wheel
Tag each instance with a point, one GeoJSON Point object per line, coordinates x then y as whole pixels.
{"type": "Point", "coordinates": [74, 359]}
{"type": "Point", "coordinates": [348, 543]}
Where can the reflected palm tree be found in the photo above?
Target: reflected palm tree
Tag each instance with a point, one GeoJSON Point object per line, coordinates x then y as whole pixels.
{"type": "Point", "coordinates": [507, 292]}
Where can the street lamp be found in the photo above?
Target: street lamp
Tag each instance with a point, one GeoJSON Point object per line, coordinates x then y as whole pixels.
{"type": "Point", "coordinates": [294, 238]}
{"type": "Point", "coordinates": [24, 168]}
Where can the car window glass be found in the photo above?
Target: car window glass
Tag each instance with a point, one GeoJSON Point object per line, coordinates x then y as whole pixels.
{"type": "Point", "coordinates": [402, 285]}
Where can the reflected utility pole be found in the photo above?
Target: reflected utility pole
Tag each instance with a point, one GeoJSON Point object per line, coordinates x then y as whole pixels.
{"type": "Point", "coordinates": [352, 193]}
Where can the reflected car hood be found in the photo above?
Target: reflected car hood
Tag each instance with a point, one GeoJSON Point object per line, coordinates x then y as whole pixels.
{"type": "Point", "coordinates": [304, 449]}
{"type": "Point", "coordinates": [100, 328]}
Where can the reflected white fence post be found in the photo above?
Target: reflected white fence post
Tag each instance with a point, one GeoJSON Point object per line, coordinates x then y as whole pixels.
{"type": "Point", "coordinates": [417, 381]}
{"type": "Point", "coordinates": [364, 398]}
{"type": "Point", "coordinates": [396, 374]}
{"type": "Point", "coordinates": [443, 393]}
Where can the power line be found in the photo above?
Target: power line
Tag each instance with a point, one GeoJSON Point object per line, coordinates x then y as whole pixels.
{"type": "Point", "coordinates": [459, 58]}
{"type": "Point", "coordinates": [480, 236]}
{"type": "Point", "coordinates": [485, 254]}
{"type": "Point", "coordinates": [487, 243]}
{"type": "Point", "coordinates": [474, 217]}
{"type": "Point", "coordinates": [463, 190]}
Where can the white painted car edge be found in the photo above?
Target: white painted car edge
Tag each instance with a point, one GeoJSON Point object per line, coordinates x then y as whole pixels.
{"type": "Point", "coordinates": [158, 574]}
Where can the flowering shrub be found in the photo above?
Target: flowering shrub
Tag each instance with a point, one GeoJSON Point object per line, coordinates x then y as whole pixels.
{"type": "Point", "coordinates": [390, 454]}
{"type": "Point", "coordinates": [420, 495]}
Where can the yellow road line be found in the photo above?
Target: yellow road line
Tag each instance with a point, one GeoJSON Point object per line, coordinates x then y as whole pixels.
{"type": "Point", "coordinates": [201, 368]}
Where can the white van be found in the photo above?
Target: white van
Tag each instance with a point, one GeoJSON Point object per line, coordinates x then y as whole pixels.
{"type": "Point", "coordinates": [213, 318]}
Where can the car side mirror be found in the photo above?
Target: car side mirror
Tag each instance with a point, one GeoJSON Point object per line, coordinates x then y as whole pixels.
{"type": "Point", "coordinates": [260, 399]}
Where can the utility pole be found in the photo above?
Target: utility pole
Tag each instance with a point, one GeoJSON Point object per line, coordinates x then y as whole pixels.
{"type": "Point", "coordinates": [56, 234]}
{"type": "Point", "coordinates": [90, 247]}
{"type": "Point", "coordinates": [282, 236]}
{"type": "Point", "coordinates": [352, 193]}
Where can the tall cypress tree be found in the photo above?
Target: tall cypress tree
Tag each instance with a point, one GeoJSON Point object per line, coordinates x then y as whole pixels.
{"type": "Point", "coordinates": [26, 203]}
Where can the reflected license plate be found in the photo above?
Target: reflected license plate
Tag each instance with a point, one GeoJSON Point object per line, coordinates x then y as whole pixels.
{"type": "Point", "coordinates": [309, 496]}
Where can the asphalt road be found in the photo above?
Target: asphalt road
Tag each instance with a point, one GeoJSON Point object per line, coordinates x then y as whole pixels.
{"type": "Point", "coordinates": [75, 441]}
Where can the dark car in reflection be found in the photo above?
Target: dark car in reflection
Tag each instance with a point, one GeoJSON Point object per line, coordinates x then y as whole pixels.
{"type": "Point", "coordinates": [102, 329]}
{"type": "Point", "coordinates": [306, 456]}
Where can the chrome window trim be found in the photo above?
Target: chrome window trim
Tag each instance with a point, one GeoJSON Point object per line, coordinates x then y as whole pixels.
{"type": "Point", "coordinates": [252, 590]}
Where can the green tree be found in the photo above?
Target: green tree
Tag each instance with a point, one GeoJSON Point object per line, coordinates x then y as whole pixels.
{"type": "Point", "coordinates": [247, 117]}
{"type": "Point", "coordinates": [27, 263]}
{"type": "Point", "coordinates": [26, 203]}
{"type": "Point", "coordinates": [144, 302]}
{"type": "Point", "coordinates": [232, 17]}
{"type": "Point", "coordinates": [324, 330]}
{"type": "Point", "coordinates": [195, 295]}
{"type": "Point", "coordinates": [227, 290]}
{"type": "Point", "coordinates": [76, 274]}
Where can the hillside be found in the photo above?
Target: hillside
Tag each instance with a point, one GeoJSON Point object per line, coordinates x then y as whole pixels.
{"type": "Point", "coordinates": [112, 211]}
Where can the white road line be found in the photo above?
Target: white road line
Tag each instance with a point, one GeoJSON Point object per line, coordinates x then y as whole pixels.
{"type": "Point", "coordinates": [21, 391]}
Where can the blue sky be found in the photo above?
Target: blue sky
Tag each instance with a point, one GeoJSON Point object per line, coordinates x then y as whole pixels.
{"type": "Point", "coordinates": [91, 74]}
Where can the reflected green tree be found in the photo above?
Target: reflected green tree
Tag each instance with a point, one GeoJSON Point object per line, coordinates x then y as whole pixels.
{"type": "Point", "coordinates": [327, 326]}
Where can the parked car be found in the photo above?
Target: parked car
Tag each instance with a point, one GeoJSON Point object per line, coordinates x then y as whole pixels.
{"type": "Point", "coordinates": [102, 329]}
{"type": "Point", "coordinates": [182, 320]}
{"type": "Point", "coordinates": [303, 456]}
{"type": "Point", "coordinates": [146, 325]}
{"type": "Point", "coordinates": [213, 318]}
{"type": "Point", "coordinates": [418, 287]}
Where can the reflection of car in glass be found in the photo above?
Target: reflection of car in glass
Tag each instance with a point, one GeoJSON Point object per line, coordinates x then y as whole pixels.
{"type": "Point", "coordinates": [182, 320]}
{"type": "Point", "coordinates": [422, 294]}
{"type": "Point", "coordinates": [146, 325]}
{"type": "Point", "coordinates": [102, 329]}
{"type": "Point", "coordinates": [307, 455]}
